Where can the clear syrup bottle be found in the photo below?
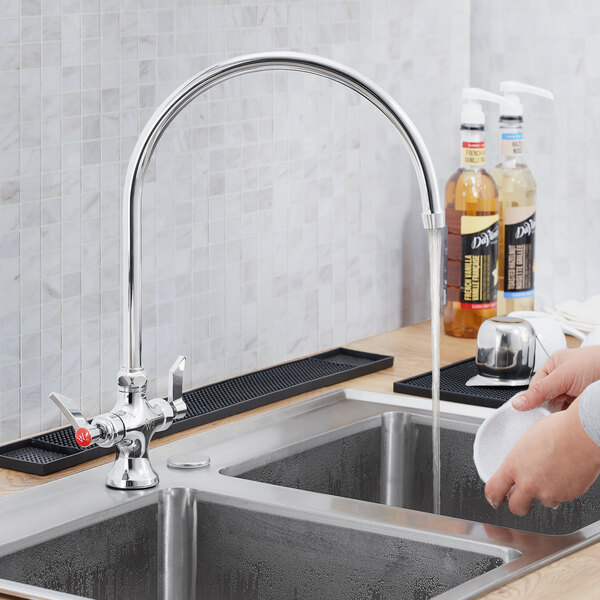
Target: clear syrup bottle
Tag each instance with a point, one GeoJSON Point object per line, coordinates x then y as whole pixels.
{"type": "Point", "coordinates": [517, 205]}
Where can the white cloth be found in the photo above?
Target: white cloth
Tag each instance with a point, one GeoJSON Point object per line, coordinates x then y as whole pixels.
{"type": "Point", "coordinates": [589, 410]}
{"type": "Point", "coordinates": [499, 433]}
{"type": "Point", "coordinates": [584, 316]}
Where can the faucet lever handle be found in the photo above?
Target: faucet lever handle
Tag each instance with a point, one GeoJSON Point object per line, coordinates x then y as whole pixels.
{"type": "Point", "coordinates": [175, 397]}
{"type": "Point", "coordinates": [85, 434]}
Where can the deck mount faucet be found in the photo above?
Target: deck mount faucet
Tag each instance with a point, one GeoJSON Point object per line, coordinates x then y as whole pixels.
{"type": "Point", "coordinates": [134, 419]}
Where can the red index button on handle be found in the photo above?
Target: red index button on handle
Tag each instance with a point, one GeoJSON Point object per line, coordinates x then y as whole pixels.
{"type": "Point", "coordinates": [83, 437]}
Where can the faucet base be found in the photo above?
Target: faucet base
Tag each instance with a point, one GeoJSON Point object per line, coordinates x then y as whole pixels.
{"type": "Point", "coordinates": [131, 474]}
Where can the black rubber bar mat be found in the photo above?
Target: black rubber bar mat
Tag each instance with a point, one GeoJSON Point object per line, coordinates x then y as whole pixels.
{"type": "Point", "coordinates": [452, 386]}
{"type": "Point", "coordinates": [56, 450]}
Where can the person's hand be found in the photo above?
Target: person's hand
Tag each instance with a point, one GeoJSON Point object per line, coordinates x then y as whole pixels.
{"type": "Point", "coordinates": [554, 461]}
{"type": "Point", "coordinates": [561, 379]}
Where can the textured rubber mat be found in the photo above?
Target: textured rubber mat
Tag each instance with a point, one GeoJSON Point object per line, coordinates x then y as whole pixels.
{"type": "Point", "coordinates": [56, 450]}
{"type": "Point", "coordinates": [452, 386]}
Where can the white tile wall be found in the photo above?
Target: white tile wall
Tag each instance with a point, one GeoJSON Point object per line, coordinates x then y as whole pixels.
{"type": "Point", "coordinates": [281, 214]}
{"type": "Point", "coordinates": [553, 45]}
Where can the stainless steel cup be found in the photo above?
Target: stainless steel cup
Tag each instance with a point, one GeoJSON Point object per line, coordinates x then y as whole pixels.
{"type": "Point", "coordinates": [506, 348]}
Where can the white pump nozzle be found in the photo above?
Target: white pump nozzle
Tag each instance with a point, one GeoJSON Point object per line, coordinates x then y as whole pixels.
{"type": "Point", "coordinates": [472, 113]}
{"type": "Point", "coordinates": [512, 107]}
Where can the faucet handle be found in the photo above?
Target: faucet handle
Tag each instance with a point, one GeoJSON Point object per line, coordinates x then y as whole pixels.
{"type": "Point", "coordinates": [85, 434]}
{"type": "Point", "coordinates": [175, 397]}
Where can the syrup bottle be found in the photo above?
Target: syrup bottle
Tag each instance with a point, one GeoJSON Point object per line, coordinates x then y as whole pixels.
{"type": "Point", "coordinates": [472, 219]}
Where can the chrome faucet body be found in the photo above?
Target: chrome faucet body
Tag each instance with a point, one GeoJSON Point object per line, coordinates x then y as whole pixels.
{"type": "Point", "coordinates": [138, 416]}
{"type": "Point", "coordinates": [129, 426]}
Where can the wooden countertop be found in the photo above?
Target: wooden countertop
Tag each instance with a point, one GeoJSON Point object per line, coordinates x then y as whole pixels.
{"type": "Point", "coordinates": [575, 576]}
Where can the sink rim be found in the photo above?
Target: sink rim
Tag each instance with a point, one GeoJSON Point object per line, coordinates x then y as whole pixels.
{"type": "Point", "coordinates": [228, 445]}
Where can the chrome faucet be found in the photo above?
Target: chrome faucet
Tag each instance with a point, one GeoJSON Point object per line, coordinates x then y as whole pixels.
{"type": "Point", "coordinates": [133, 420]}
{"type": "Point", "coordinates": [129, 426]}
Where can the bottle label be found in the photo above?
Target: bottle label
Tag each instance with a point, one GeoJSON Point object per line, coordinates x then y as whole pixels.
{"type": "Point", "coordinates": [473, 154]}
{"type": "Point", "coordinates": [511, 143]}
{"type": "Point", "coordinates": [519, 239]}
{"type": "Point", "coordinates": [479, 266]}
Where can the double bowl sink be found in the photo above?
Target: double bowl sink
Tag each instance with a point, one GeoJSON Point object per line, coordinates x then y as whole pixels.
{"type": "Point", "coordinates": [330, 498]}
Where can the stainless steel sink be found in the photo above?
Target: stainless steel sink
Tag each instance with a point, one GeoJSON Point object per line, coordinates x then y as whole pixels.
{"type": "Point", "coordinates": [388, 458]}
{"type": "Point", "coordinates": [187, 544]}
{"type": "Point", "coordinates": [328, 498]}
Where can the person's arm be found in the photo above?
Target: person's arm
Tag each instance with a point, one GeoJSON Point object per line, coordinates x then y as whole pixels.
{"type": "Point", "coordinates": [556, 460]}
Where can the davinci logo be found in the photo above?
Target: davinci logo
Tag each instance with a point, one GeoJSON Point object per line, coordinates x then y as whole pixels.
{"type": "Point", "coordinates": [485, 238]}
{"type": "Point", "coordinates": [525, 229]}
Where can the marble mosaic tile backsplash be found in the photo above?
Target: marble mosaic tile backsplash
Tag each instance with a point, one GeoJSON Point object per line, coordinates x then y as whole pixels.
{"type": "Point", "coordinates": [553, 45]}
{"type": "Point", "coordinates": [281, 214]}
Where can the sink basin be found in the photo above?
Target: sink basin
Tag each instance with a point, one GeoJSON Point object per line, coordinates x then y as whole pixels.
{"type": "Point", "coordinates": [326, 498]}
{"type": "Point", "coordinates": [185, 545]}
{"type": "Point", "coordinates": [388, 459]}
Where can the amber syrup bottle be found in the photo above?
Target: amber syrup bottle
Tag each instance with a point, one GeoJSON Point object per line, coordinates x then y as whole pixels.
{"type": "Point", "coordinates": [472, 220]}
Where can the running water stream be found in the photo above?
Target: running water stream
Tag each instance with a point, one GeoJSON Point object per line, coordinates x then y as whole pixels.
{"type": "Point", "coordinates": [435, 268]}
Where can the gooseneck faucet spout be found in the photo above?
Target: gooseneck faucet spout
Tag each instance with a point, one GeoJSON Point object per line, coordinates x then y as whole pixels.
{"type": "Point", "coordinates": [131, 253]}
{"type": "Point", "coordinates": [132, 377]}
